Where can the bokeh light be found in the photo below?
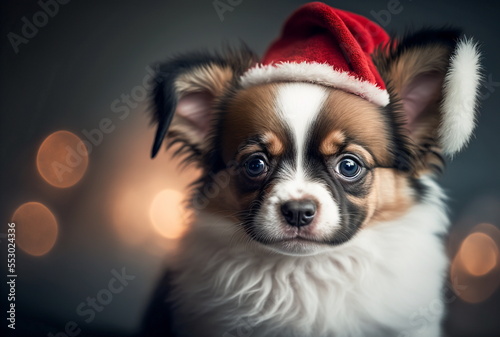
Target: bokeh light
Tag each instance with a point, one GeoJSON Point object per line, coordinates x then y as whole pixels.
{"type": "Point", "coordinates": [130, 212]}
{"type": "Point", "coordinates": [136, 189]}
{"type": "Point", "coordinates": [36, 228]}
{"type": "Point", "coordinates": [62, 159]}
{"type": "Point", "coordinates": [168, 214]}
{"type": "Point", "coordinates": [490, 230]}
{"type": "Point", "coordinates": [479, 254]}
{"type": "Point", "coordinates": [475, 271]}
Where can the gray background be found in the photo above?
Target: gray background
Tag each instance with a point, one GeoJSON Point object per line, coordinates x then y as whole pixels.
{"type": "Point", "coordinates": [92, 52]}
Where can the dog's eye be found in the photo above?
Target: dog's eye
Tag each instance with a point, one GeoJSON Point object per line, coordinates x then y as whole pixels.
{"type": "Point", "coordinates": [349, 168]}
{"type": "Point", "coordinates": [255, 166]}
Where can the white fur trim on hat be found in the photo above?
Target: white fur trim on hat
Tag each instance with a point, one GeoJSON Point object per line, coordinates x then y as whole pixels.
{"type": "Point", "coordinates": [320, 73]}
{"type": "Point", "coordinates": [460, 97]}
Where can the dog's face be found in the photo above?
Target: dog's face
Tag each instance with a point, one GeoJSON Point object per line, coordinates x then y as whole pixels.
{"type": "Point", "coordinates": [305, 167]}
{"type": "Point", "coordinates": [312, 164]}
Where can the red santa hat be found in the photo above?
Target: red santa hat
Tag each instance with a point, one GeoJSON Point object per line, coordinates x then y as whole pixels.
{"type": "Point", "coordinates": [323, 45]}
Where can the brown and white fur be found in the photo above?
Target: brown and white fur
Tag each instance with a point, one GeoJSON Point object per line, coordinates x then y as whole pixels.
{"type": "Point", "coordinates": [372, 256]}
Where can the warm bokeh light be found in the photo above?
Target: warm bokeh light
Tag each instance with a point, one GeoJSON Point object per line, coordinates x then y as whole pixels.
{"type": "Point", "coordinates": [168, 214]}
{"type": "Point", "coordinates": [36, 228]}
{"type": "Point", "coordinates": [62, 159]}
{"type": "Point", "coordinates": [472, 289]}
{"type": "Point", "coordinates": [133, 194]}
{"type": "Point", "coordinates": [490, 230]}
{"type": "Point", "coordinates": [475, 271]}
{"type": "Point", "coordinates": [479, 254]}
{"type": "Point", "coordinates": [130, 215]}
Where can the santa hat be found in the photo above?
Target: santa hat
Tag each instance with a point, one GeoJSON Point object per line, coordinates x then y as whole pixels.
{"type": "Point", "coordinates": [323, 45]}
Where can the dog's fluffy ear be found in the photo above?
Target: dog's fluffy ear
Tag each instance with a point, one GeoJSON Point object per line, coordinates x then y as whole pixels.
{"type": "Point", "coordinates": [186, 88]}
{"type": "Point", "coordinates": [435, 75]}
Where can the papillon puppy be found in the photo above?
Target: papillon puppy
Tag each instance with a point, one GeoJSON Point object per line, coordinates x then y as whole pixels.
{"type": "Point", "coordinates": [317, 212]}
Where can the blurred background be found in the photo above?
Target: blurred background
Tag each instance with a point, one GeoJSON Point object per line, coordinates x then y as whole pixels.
{"type": "Point", "coordinates": [96, 218]}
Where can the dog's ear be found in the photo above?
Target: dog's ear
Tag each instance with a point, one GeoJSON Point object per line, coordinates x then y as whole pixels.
{"type": "Point", "coordinates": [186, 88]}
{"type": "Point", "coordinates": [433, 78]}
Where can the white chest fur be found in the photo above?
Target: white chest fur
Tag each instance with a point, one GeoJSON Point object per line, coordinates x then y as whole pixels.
{"type": "Point", "coordinates": [373, 285]}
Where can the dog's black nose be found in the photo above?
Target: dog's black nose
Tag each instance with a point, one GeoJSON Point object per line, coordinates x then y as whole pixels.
{"type": "Point", "coordinates": [298, 213]}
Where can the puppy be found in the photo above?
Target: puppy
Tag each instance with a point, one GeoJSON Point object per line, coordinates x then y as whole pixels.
{"type": "Point", "coordinates": [317, 213]}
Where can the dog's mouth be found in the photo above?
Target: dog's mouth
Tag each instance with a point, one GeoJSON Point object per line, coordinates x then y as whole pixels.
{"type": "Point", "coordinates": [301, 239]}
{"type": "Point", "coordinates": [289, 240]}
{"type": "Point", "coordinates": [295, 242]}
{"type": "Point", "coordinates": [290, 236]}
{"type": "Point", "coordinates": [298, 245]}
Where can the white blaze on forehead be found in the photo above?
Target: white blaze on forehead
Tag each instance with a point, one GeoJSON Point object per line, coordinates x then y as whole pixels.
{"type": "Point", "coordinates": [299, 104]}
